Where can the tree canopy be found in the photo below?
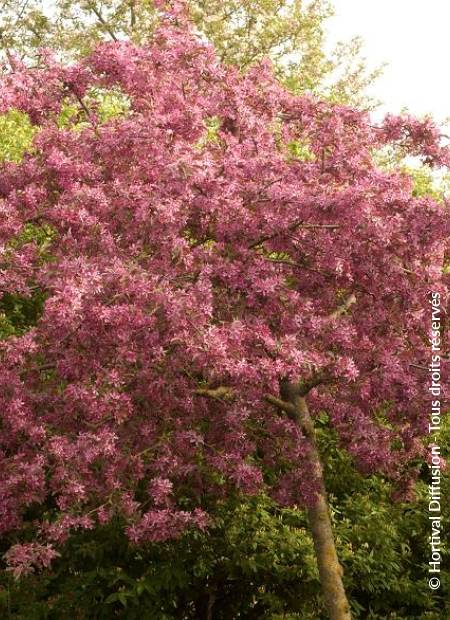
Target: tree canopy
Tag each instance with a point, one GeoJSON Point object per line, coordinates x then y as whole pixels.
{"type": "Point", "coordinates": [217, 263]}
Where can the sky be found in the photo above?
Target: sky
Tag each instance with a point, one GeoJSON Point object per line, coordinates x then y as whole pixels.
{"type": "Point", "coordinates": [413, 37]}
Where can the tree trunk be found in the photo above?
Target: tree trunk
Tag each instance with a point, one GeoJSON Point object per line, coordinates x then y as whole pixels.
{"type": "Point", "coordinates": [330, 570]}
{"type": "Point", "coordinates": [211, 601]}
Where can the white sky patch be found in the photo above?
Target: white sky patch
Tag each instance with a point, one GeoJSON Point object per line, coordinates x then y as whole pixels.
{"type": "Point", "coordinates": [413, 37]}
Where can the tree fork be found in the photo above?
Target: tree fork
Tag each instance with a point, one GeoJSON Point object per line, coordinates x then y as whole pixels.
{"type": "Point", "coordinates": [330, 570]}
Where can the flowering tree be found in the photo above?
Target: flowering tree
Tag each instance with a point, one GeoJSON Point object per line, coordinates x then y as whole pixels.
{"type": "Point", "coordinates": [290, 32]}
{"type": "Point", "coordinates": [220, 263]}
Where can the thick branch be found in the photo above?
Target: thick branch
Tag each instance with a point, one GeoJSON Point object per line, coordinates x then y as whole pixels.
{"type": "Point", "coordinates": [220, 393]}
{"type": "Point", "coordinates": [320, 226]}
{"type": "Point", "coordinates": [306, 386]}
{"type": "Point", "coordinates": [288, 408]}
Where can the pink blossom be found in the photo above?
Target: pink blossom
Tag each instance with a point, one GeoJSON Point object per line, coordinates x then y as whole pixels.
{"type": "Point", "coordinates": [23, 559]}
{"type": "Point", "coordinates": [185, 278]}
{"type": "Point", "coordinates": [160, 489]}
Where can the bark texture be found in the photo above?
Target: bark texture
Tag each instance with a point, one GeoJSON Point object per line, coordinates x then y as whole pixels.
{"type": "Point", "coordinates": [330, 570]}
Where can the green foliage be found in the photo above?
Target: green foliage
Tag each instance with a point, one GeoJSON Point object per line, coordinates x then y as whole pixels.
{"type": "Point", "coordinates": [300, 150]}
{"type": "Point", "coordinates": [428, 184]}
{"type": "Point", "coordinates": [383, 544]}
{"type": "Point", "coordinates": [250, 576]}
{"type": "Point", "coordinates": [212, 126]}
{"type": "Point", "coordinates": [18, 312]}
{"type": "Point", "coordinates": [105, 104]}
{"type": "Point", "coordinates": [426, 181]}
{"type": "Point", "coordinates": [110, 104]}
{"type": "Point", "coordinates": [255, 562]}
{"type": "Point", "coordinates": [16, 135]}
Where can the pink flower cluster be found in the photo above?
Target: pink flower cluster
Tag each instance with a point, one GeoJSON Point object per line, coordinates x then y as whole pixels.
{"type": "Point", "coordinates": [26, 558]}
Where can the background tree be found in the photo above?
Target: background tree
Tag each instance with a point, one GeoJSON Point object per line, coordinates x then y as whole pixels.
{"type": "Point", "coordinates": [291, 33]}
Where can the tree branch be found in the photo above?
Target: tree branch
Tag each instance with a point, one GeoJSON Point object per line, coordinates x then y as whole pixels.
{"type": "Point", "coordinates": [305, 387]}
{"type": "Point", "coordinates": [261, 240]}
{"type": "Point", "coordinates": [102, 20]}
{"type": "Point", "coordinates": [220, 393]}
{"type": "Point", "coordinates": [343, 308]}
{"type": "Point", "coordinates": [294, 226]}
{"type": "Point", "coordinates": [288, 408]}
{"type": "Point", "coordinates": [132, 14]}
